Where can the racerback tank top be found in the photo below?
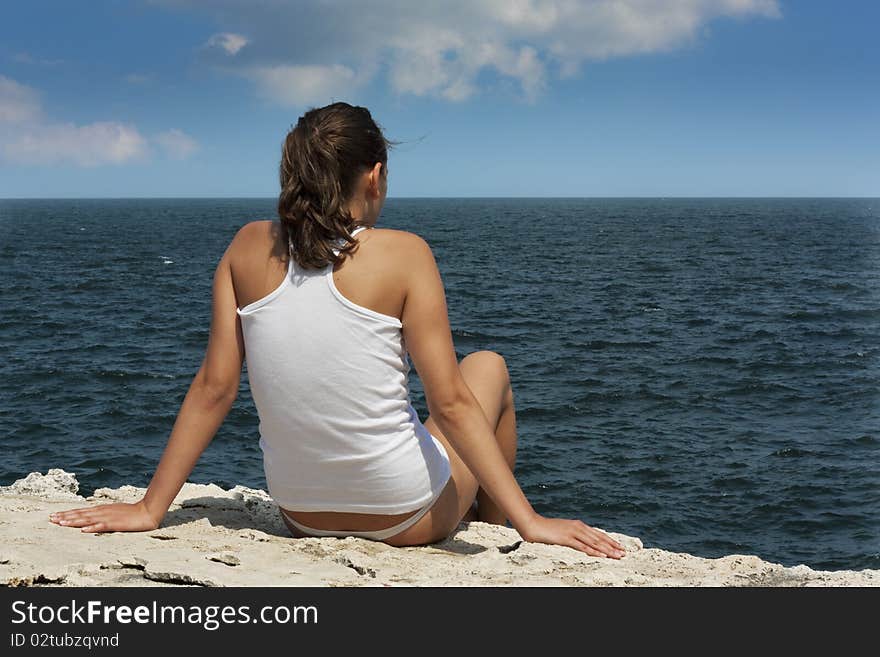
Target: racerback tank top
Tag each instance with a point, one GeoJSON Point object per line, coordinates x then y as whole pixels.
{"type": "Point", "coordinates": [329, 379]}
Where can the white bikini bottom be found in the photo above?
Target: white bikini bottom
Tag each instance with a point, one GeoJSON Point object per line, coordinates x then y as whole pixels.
{"type": "Point", "coordinates": [374, 535]}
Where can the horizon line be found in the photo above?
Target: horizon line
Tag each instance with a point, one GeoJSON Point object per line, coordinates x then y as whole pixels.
{"type": "Point", "coordinates": [393, 198]}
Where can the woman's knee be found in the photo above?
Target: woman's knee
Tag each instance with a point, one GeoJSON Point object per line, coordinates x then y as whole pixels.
{"type": "Point", "coordinates": [487, 360]}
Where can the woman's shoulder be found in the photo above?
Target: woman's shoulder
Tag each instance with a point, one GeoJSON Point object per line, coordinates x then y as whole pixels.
{"type": "Point", "coordinates": [258, 237]}
{"type": "Point", "coordinates": [398, 253]}
{"type": "Point", "coordinates": [258, 229]}
{"type": "Point", "coordinates": [265, 237]}
{"type": "Point", "coordinates": [270, 229]}
{"type": "Point", "coordinates": [398, 242]}
{"type": "Point", "coordinates": [261, 228]}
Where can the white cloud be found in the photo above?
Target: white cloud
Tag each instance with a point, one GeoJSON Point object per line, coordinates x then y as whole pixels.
{"type": "Point", "coordinates": [177, 143]}
{"type": "Point", "coordinates": [28, 137]}
{"type": "Point", "coordinates": [18, 102]}
{"type": "Point", "coordinates": [87, 145]}
{"type": "Point", "coordinates": [451, 72]}
{"type": "Point", "coordinates": [442, 48]}
{"type": "Point", "coordinates": [228, 41]}
{"type": "Point", "coordinates": [302, 85]}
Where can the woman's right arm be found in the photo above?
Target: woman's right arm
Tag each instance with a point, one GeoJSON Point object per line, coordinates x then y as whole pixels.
{"type": "Point", "coordinates": [458, 414]}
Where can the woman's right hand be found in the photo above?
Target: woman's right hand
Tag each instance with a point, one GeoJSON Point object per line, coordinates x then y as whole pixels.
{"type": "Point", "coordinates": [117, 517]}
{"type": "Point", "coordinates": [574, 534]}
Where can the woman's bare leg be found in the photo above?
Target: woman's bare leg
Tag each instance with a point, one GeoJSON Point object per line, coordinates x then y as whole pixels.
{"type": "Point", "coordinates": [485, 373]}
{"type": "Point", "coordinates": [505, 434]}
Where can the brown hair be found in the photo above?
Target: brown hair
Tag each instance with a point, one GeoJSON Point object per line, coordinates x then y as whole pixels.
{"type": "Point", "coordinates": [320, 162]}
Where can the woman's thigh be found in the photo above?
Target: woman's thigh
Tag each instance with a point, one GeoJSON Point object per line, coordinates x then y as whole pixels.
{"type": "Point", "coordinates": [486, 375]}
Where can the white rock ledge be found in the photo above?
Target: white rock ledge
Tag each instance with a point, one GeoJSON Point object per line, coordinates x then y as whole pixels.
{"type": "Point", "coordinates": [217, 537]}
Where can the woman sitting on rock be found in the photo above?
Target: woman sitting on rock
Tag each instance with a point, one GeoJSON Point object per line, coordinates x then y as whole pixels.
{"type": "Point", "coordinates": [329, 310]}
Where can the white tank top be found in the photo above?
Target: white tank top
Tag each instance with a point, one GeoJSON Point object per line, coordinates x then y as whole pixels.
{"type": "Point", "coordinates": [330, 382]}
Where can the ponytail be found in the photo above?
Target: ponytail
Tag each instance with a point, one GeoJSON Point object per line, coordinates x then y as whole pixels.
{"type": "Point", "coordinates": [320, 162]}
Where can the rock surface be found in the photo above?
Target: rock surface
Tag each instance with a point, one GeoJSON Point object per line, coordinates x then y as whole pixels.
{"type": "Point", "coordinates": [217, 537]}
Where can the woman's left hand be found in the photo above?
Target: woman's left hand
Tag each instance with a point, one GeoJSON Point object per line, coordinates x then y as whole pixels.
{"type": "Point", "coordinates": [119, 517]}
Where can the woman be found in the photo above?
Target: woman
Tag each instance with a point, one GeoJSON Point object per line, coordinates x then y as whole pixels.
{"type": "Point", "coordinates": [329, 309]}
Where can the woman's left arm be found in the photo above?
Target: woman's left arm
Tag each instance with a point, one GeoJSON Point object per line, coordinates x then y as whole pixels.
{"type": "Point", "coordinates": [210, 396]}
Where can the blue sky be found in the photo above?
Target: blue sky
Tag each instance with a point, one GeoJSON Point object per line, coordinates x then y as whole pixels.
{"type": "Point", "coordinates": [490, 97]}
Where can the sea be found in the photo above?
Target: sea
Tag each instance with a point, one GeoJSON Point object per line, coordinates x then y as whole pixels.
{"type": "Point", "coordinates": [701, 373]}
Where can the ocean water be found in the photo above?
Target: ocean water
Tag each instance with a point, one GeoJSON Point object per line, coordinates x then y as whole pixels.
{"type": "Point", "coordinates": [701, 373]}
